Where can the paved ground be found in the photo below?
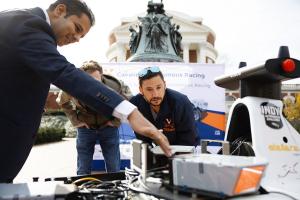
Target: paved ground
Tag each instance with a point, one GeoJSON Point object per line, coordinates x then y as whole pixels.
{"type": "Point", "coordinates": [50, 160]}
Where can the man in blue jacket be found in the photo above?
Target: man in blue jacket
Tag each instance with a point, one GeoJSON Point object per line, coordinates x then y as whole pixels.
{"type": "Point", "coordinates": [30, 62]}
{"type": "Point", "coordinates": [167, 109]}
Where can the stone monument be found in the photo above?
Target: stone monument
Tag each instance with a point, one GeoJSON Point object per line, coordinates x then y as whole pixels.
{"type": "Point", "coordinates": [155, 39]}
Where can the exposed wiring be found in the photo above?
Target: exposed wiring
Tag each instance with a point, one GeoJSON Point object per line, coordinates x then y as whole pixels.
{"type": "Point", "coordinates": [283, 193]}
{"type": "Point", "coordinates": [148, 192]}
{"type": "Point", "coordinates": [99, 190]}
{"type": "Point", "coordinates": [78, 181]}
{"type": "Point", "coordinates": [158, 168]}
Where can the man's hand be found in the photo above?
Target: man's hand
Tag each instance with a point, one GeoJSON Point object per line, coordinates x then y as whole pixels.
{"type": "Point", "coordinates": [82, 125]}
{"type": "Point", "coordinates": [142, 126]}
{"type": "Point", "coordinates": [109, 123]}
{"type": "Point", "coordinates": [161, 140]}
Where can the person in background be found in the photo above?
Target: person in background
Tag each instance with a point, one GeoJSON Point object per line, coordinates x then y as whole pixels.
{"type": "Point", "coordinates": [168, 110]}
{"type": "Point", "coordinates": [30, 63]}
{"type": "Point", "coordinates": [93, 127]}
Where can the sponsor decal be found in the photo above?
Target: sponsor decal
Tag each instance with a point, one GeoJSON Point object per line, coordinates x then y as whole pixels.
{"type": "Point", "coordinates": [283, 147]}
{"type": "Point", "coordinates": [271, 113]}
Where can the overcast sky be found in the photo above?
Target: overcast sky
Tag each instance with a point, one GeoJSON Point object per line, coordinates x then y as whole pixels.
{"type": "Point", "coordinates": [246, 30]}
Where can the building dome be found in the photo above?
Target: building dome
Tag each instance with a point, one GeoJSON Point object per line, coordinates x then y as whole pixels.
{"type": "Point", "coordinates": [197, 43]}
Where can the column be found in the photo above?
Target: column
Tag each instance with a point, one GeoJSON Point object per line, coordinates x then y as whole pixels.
{"type": "Point", "coordinates": [186, 52]}
{"type": "Point", "coordinates": [201, 53]}
{"type": "Point", "coordinates": [121, 56]}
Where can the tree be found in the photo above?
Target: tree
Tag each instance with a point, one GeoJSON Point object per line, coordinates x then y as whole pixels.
{"type": "Point", "coordinates": [291, 111]}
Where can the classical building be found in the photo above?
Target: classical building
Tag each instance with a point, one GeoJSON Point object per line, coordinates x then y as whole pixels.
{"type": "Point", "coordinates": [197, 46]}
{"type": "Point", "coordinates": [197, 42]}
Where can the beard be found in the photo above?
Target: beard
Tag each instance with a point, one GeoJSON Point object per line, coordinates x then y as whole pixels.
{"type": "Point", "coordinates": [155, 101]}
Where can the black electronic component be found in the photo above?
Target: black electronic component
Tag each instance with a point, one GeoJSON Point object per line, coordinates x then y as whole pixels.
{"type": "Point", "coordinates": [263, 80]}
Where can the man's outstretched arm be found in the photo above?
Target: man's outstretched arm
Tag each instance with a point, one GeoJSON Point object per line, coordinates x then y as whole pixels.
{"type": "Point", "coordinates": [128, 112]}
{"type": "Point", "coordinates": [142, 126]}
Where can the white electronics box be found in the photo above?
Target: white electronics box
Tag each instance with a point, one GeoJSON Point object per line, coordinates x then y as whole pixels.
{"type": "Point", "coordinates": [225, 174]}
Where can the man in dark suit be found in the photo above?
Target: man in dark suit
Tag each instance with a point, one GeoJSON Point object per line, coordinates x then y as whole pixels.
{"type": "Point", "coordinates": [30, 62]}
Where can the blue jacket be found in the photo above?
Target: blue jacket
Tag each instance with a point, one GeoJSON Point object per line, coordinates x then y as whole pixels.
{"type": "Point", "coordinates": [29, 63]}
{"type": "Point", "coordinates": [175, 118]}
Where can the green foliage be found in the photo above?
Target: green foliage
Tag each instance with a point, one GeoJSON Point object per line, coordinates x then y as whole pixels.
{"type": "Point", "coordinates": [49, 134]}
{"type": "Point", "coordinates": [54, 112]}
{"type": "Point", "coordinates": [291, 111]}
{"type": "Point", "coordinates": [296, 124]}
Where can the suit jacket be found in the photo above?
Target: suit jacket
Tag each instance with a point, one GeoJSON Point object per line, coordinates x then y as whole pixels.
{"type": "Point", "coordinates": [29, 63]}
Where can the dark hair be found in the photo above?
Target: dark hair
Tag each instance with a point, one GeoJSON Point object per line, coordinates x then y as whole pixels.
{"type": "Point", "coordinates": [75, 7]}
{"type": "Point", "coordinates": [150, 75]}
{"type": "Point", "coordinates": [91, 66]}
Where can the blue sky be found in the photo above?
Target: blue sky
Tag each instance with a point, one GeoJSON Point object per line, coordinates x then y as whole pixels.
{"type": "Point", "coordinates": [246, 30]}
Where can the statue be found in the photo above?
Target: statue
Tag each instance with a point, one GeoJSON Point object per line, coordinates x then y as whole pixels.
{"type": "Point", "coordinates": [157, 37]}
{"type": "Point", "coordinates": [157, 8]}
{"type": "Point", "coordinates": [133, 42]}
{"type": "Point", "coordinates": [156, 40]}
{"type": "Point", "coordinates": [176, 38]}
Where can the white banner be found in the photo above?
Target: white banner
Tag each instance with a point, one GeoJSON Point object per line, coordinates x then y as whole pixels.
{"type": "Point", "coordinates": [194, 80]}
